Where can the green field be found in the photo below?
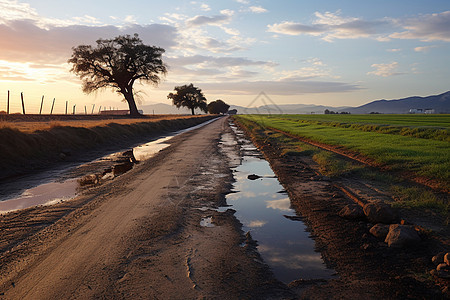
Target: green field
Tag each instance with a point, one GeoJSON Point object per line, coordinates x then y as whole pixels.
{"type": "Point", "coordinates": [426, 156]}
{"type": "Point", "coordinates": [436, 127]}
{"type": "Point", "coordinates": [435, 121]}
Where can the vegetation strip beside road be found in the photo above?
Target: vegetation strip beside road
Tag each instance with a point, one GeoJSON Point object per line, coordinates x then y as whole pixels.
{"type": "Point", "coordinates": [22, 152]}
{"type": "Point", "coordinates": [428, 160]}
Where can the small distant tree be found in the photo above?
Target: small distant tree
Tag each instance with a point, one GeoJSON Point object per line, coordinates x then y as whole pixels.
{"type": "Point", "coordinates": [190, 97]}
{"type": "Point", "coordinates": [218, 107]}
{"type": "Point", "coordinates": [118, 63]}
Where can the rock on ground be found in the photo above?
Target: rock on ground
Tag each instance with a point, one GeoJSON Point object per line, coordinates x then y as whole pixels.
{"type": "Point", "coordinates": [402, 235]}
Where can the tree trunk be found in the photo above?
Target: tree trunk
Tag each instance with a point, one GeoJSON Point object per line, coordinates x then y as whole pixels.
{"type": "Point", "coordinates": [192, 109]}
{"type": "Point", "coordinates": [132, 104]}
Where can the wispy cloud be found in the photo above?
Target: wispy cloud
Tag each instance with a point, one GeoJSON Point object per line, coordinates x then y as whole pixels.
{"type": "Point", "coordinates": [225, 61]}
{"type": "Point", "coordinates": [281, 87]}
{"type": "Point", "coordinates": [424, 48]}
{"type": "Point", "coordinates": [224, 18]}
{"type": "Point", "coordinates": [257, 9]}
{"type": "Point", "coordinates": [429, 27]}
{"type": "Point", "coordinates": [330, 26]}
{"type": "Point", "coordinates": [25, 40]}
{"type": "Point", "coordinates": [385, 70]}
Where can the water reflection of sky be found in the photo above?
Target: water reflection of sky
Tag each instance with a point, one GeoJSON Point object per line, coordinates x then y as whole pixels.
{"type": "Point", "coordinates": [44, 194]}
{"type": "Point", "coordinates": [283, 243]}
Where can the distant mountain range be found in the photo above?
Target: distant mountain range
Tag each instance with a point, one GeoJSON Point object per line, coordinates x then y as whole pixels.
{"type": "Point", "coordinates": [437, 103]}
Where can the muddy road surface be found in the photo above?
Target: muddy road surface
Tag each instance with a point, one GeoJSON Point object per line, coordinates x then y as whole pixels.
{"type": "Point", "coordinates": [140, 235]}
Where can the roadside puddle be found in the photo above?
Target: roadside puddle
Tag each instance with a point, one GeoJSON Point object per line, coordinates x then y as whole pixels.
{"type": "Point", "coordinates": [264, 209]}
{"type": "Point", "coordinates": [64, 184]}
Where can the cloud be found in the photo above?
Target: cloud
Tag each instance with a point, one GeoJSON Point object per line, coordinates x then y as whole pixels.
{"type": "Point", "coordinates": [257, 9]}
{"type": "Point", "coordinates": [224, 61]}
{"type": "Point", "coordinates": [394, 50]}
{"type": "Point", "coordinates": [424, 48]}
{"type": "Point", "coordinates": [332, 26]}
{"type": "Point", "coordinates": [205, 7]}
{"type": "Point", "coordinates": [385, 70]}
{"type": "Point", "coordinates": [213, 68]}
{"type": "Point", "coordinates": [430, 27]}
{"type": "Point", "coordinates": [25, 40]}
{"type": "Point", "coordinates": [223, 18]}
{"type": "Point", "coordinates": [292, 28]}
{"type": "Point", "coordinates": [13, 10]}
{"type": "Point", "coordinates": [278, 87]}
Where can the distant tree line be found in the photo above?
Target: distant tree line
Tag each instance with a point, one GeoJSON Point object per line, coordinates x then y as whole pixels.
{"type": "Point", "coordinates": [330, 112]}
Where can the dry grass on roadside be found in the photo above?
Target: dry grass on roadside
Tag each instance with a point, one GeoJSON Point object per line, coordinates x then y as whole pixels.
{"type": "Point", "coordinates": [32, 126]}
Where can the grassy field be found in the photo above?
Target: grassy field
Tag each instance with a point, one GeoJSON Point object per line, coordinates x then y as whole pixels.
{"type": "Point", "coordinates": [436, 127]}
{"type": "Point", "coordinates": [424, 157]}
{"type": "Point", "coordinates": [413, 120]}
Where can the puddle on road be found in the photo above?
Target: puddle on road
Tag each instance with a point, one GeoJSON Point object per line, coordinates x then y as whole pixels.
{"type": "Point", "coordinates": [44, 194]}
{"type": "Point", "coordinates": [262, 206]}
{"type": "Point", "coordinates": [62, 184]}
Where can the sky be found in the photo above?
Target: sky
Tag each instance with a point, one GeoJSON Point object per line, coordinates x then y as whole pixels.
{"type": "Point", "coordinates": [323, 52]}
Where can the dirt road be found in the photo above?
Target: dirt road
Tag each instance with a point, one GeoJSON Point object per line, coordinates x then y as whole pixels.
{"type": "Point", "coordinates": [139, 236]}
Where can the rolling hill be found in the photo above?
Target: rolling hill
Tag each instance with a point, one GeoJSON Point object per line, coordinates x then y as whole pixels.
{"type": "Point", "coordinates": [438, 103]}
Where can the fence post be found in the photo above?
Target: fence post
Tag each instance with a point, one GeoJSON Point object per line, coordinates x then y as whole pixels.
{"type": "Point", "coordinates": [85, 110]}
{"type": "Point", "coordinates": [99, 109]}
{"type": "Point", "coordinates": [23, 105]}
{"type": "Point", "coordinates": [74, 109]}
{"type": "Point", "coordinates": [42, 102]}
{"type": "Point", "coordinates": [7, 107]}
{"type": "Point", "coordinates": [66, 106]}
{"type": "Point", "coordinates": [53, 104]}
{"type": "Point", "coordinates": [93, 106]}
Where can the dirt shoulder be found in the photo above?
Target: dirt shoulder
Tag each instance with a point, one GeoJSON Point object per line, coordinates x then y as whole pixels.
{"type": "Point", "coordinates": [139, 236]}
{"type": "Point", "coordinates": [366, 267]}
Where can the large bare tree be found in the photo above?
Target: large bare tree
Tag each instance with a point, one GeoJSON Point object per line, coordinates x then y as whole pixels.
{"type": "Point", "coordinates": [118, 63]}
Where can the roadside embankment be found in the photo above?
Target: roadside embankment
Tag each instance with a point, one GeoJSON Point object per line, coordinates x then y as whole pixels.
{"type": "Point", "coordinates": [22, 152]}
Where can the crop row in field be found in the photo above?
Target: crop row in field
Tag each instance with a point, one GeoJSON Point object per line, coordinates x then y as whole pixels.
{"type": "Point", "coordinates": [423, 157]}
{"type": "Point", "coordinates": [436, 127]}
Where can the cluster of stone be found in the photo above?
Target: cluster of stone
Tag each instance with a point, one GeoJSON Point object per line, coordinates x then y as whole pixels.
{"type": "Point", "coordinates": [442, 263]}
{"type": "Point", "coordinates": [386, 226]}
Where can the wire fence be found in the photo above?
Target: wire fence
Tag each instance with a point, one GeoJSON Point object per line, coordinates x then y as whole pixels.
{"type": "Point", "coordinates": [19, 104]}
